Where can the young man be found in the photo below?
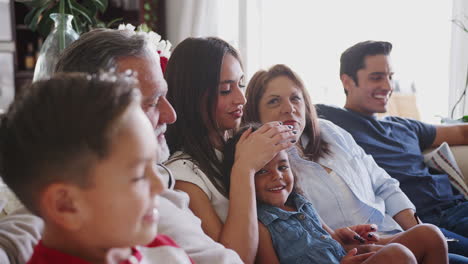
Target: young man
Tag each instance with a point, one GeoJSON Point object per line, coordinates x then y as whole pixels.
{"type": "Point", "coordinates": [396, 143]}
{"type": "Point", "coordinates": [126, 50]}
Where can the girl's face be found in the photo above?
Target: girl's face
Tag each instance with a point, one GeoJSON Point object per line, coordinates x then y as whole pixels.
{"type": "Point", "coordinates": [283, 101]}
{"type": "Point", "coordinates": [275, 181]}
{"type": "Point", "coordinates": [231, 97]}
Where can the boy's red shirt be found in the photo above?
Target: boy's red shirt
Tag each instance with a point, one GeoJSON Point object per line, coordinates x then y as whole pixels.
{"type": "Point", "coordinates": [45, 255]}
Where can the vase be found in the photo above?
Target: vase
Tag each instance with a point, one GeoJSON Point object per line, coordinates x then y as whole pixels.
{"type": "Point", "coordinates": [61, 37]}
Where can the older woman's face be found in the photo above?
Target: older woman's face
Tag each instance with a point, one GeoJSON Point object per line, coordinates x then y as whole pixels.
{"type": "Point", "coordinates": [283, 101]}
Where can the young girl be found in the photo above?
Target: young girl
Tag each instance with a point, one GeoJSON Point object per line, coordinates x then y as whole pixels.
{"type": "Point", "coordinates": [206, 88]}
{"type": "Point", "coordinates": [292, 232]}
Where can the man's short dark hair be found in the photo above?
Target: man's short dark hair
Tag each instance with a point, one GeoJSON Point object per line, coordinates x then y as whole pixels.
{"type": "Point", "coordinates": [57, 129]}
{"type": "Point", "coordinates": [352, 59]}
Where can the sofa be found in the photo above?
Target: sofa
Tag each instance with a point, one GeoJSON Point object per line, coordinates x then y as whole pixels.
{"type": "Point", "coordinates": [461, 155]}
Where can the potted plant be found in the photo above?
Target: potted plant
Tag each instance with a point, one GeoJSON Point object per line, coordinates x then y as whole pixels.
{"type": "Point", "coordinates": [69, 17]}
{"type": "Point", "coordinates": [464, 118]}
{"type": "Point", "coordinates": [84, 13]}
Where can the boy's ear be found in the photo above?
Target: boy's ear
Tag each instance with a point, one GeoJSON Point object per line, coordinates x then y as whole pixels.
{"type": "Point", "coordinates": [347, 81]}
{"type": "Point", "coordinates": [61, 204]}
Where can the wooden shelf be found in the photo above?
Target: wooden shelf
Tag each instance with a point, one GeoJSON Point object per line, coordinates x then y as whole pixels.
{"type": "Point", "coordinates": [22, 27]}
{"type": "Point", "coordinates": [24, 74]}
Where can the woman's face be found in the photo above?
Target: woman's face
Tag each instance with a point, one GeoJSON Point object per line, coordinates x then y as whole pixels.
{"type": "Point", "coordinates": [283, 101]}
{"type": "Point", "coordinates": [231, 97]}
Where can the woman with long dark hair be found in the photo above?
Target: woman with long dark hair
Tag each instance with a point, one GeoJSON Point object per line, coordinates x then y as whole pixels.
{"type": "Point", "coordinates": [206, 88]}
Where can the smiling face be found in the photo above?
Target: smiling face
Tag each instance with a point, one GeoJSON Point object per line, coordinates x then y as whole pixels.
{"type": "Point", "coordinates": [375, 85]}
{"type": "Point", "coordinates": [119, 209]}
{"type": "Point", "coordinates": [283, 101]}
{"type": "Point", "coordinates": [275, 181]}
{"type": "Point", "coordinates": [231, 99]}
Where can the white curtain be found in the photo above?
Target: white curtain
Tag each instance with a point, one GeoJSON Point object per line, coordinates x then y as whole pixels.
{"type": "Point", "coordinates": [203, 18]}
{"type": "Point", "coordinates": [459, 59]}
{"type": "Point", "coordinates": [188, 18]}
{"type": "Point", "coordinates": [309, 36]}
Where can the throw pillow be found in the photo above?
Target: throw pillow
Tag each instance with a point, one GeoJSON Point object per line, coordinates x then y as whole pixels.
{"type": "Point", "coordinates": [442, 159]}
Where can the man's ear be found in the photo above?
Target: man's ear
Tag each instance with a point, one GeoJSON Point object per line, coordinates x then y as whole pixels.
{"type": "Point", "coordinates": [347, 82]}
{"type": "Point", "coordinates": [61, 204]}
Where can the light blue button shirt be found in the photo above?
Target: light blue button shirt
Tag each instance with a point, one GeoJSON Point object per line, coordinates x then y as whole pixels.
{"type": "Point", "coordinates": [378, 196]}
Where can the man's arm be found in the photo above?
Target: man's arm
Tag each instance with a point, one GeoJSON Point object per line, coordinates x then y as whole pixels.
{"type": "Point", "coordinates": [452, 134]}
{"type": "Point", "coordinates": [406, 219]}
{"type": "Point", "coordinates": [19, 233]}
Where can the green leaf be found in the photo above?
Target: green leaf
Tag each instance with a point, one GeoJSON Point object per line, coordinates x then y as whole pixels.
{"type": "Point", "coordinates": [81, 11]}
{"type": "Point", "coordinates": [34, 3]}
{"type": "Point", "coordinates": [112, 22]}
{"type": "Point", "coordinates": [33, 17]}
{"type": "Point", "coordinates": [101, 4]}
{"type": "Point", "coordinates": [46, 23]}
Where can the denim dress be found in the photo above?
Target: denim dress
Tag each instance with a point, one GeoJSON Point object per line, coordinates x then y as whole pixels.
{"type": "Point", "coordinates": [298, 237]}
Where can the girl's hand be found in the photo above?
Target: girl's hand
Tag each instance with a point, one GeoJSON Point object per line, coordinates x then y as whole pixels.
{"type": "Point", "coordinates": [357, 235]}
{"type": "Point", "coordinates": [255, 149]}
{"type": "Point", "coordinates": [352, 258]}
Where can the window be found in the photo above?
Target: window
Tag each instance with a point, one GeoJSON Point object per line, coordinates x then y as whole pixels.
{"type": "Point", "coordinates": [309, 36]}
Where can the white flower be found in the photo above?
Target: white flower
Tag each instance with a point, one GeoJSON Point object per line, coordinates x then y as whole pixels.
{"type": "Point", "coordinates": [163, 47]}
{"type": "Point", "coordinates": [126, 27]}
{"type": "Point", "coordinates": [154, 37]}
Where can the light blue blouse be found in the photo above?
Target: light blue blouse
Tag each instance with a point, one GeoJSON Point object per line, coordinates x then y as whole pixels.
{"type": "Point", "coordinates": [378, 196]}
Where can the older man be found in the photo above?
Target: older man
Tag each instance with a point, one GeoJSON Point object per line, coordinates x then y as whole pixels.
{"type": "Point", "coordinates": [124, 50]}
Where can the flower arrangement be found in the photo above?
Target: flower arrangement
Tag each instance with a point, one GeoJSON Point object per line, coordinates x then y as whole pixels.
{"type": "Point", "coordinates": [162, 47]}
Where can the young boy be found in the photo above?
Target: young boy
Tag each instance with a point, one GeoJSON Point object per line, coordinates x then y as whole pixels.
{"type": "Point", "coordinates": [78, 151]}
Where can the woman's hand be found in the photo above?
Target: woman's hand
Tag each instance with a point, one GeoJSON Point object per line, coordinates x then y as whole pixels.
{"type": "Point", "coordinates": [255, 149]}
{"type": "Point", "coordinates": [356, 235]}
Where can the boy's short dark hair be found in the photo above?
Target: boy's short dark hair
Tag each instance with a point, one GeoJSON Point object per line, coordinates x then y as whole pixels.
{"type": "Point", "coordinates": [353, 58]}
{"type": "Point", "coordinates": [58, 128]}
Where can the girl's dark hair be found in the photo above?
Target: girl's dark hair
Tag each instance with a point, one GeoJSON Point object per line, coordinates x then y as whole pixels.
{"type": "Point", "coordinates": [193, 75]}
{"type": "Point", "coordinates": [57, 129]}
{"type": "Point", "coordinates": [229, 155]}
{"type": "Point", "coordinates": [317, 147]}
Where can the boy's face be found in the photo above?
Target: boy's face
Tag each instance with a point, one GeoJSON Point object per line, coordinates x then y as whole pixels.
{"type": "Point", "coordinates": [274, 182]}
{"type": "Point", "coordinates": [120, 206]}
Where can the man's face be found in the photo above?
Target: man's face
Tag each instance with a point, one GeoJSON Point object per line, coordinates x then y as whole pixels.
{"type": "Point", "coordinates": [154, 103]}
{"type": "Point", "coordinates": [375, 85]}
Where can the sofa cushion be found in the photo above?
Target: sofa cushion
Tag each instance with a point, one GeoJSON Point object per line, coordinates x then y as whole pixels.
{"type": "Point", "coordinates": [443, 160]}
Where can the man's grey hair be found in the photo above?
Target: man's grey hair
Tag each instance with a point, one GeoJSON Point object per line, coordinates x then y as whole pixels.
{"type": "Point", "coordinates": [99, 49]}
